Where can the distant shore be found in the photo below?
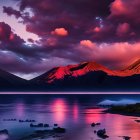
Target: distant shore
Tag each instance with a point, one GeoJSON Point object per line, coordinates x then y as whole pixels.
{"type": "Point", "coordinates": [126, 110]}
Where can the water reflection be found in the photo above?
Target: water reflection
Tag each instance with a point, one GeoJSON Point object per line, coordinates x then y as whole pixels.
{"type": "Point", "coordinates": [59, 108]}
{"type": "Point", "coordinates": [93, 115]}
{"type": "Point", "coordinates": [75, 112]}
{"type": "Point", "coordinates": [20, 109]}
{"type": "Point", "coordinates": [73, 115]}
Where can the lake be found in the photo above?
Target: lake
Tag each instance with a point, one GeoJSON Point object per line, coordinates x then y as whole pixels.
{"type": "Point", "coordinates": [73, 112]}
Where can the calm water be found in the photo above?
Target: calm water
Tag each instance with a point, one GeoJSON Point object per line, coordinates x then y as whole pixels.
{"type": "Point", "coordinates": [73, 112]}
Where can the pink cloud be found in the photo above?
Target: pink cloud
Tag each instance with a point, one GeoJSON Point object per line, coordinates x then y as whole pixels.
{"type": "Point", "coordinates": [123, 29]}
{"type": "Point", "coordinates": [12, 36]}
{"type": "Point", "coordinates": [52, 41]}
{"type": "Point", "coordinates": [87, 43]}
{"type": "Point", "coordinates": [118, 7]}
{"type": "Point", "coordinates": [126, 10]}
{"type": "Point", "coordinates": [60, 32]}
{"type": "Point", "coordinates": [115, 55]}
{"type": "Point", "coordinates": [97, 29]}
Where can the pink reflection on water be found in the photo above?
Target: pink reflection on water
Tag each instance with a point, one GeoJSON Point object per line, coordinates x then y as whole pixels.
{"type": "Point", "coordinates": [75, 112]}
{"type": "Point", "coordinates": [59, 107]}
{"type": "Point", "coordinates": [116, 125]}
{"type": "Point", "coordinates": [93, 115]}
{"type": "Point", "coordinates": [20, 109]}
{"type": "Point", "coordinates": [124, 125]}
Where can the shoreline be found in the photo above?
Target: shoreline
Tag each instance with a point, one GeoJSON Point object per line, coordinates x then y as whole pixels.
{"type": "Point", "coordinates": [120, 113]}
{"type": "Point", "coordinates": [125, 110]}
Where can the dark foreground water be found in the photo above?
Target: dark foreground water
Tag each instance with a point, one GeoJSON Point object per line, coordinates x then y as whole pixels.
{"type": "Point", "coordinates": [73, 112]}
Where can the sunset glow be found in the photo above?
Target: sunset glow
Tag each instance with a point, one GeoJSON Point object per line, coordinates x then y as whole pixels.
{"type": "Point", "coordinates": [46, 34]}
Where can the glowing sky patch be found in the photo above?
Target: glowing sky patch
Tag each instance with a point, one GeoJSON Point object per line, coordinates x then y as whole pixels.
{"type": "Point", "coordinates": [15, 24]}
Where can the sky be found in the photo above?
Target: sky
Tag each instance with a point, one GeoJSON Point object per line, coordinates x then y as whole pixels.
{"type": "Point", "coordinates": [37, 35]}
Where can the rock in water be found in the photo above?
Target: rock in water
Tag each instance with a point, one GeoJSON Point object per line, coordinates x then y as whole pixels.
{"type": "Point", "coordinates": [4, 135]}
{"type": "Point", "coordinates": [102, 134]}
{"type": "Point", "coordinates": [126, 137]}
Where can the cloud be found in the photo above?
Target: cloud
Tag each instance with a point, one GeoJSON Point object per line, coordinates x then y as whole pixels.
{"type": "Point", "coordinates": [113, 55]}
{"type": "Point", "coordinates": [123, 29]}
{"type": "Point", "coordinates": [43, 58]}
{"type": "Point", "coordinates": [17, 55]}
{"type": "Point", "coordinates": [60, 32]}
{"type": "Point", "coordinates": [45, 54]}
{"type": "Point", "coordinates": [77, 19]}
{"type": "Point", "coordinates": [87, 43]}
{"type": "Point", "coordinates": [126, 11]}
{"type": "Point", "coordinates": [7, 36]}
{"type": "Point", "coordinates": [10, 11]}
{"type": "Point", "coordinates": [97, 29]}
{"type": "Point", "coordinates": [70, 32]}
{"type": "Point", "coordinates": [118, 7]}
{"type": "Point", "coordinates": [61, 18]}
{"type": "Point", "coordinates": [5, 31]}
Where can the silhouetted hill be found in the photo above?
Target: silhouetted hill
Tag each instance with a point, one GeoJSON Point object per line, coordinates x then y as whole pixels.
{"type": "Point", "coordinates": [87, 76]}
{"type": "Point", "coordinates": [9, 81]}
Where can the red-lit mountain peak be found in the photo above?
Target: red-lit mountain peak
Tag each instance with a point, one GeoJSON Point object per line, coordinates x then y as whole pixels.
{"type": "Point", "coordinates": [134, 67]}
{"type": "Point", "coordinates": [66, 73]}
{"type": "Point", "coordinates": [76, 70]}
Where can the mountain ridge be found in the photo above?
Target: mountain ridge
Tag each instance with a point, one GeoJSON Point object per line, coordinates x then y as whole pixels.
{"type": "Point", "coordinates": [86, 76]}
{"type": "Point", "coordinates": [76, 70]}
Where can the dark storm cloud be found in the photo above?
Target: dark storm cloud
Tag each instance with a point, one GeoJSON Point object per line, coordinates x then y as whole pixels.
{"type": "Point", "coordinates": [75, 16]}
{"type": "Point", "coordinates": [5, 31]}
{"type": "Point", "coordinates": [97, 20]}
{"type": "Point", "coordinates": [14, 53]}
{"type": "Point", "coordinates": [12, 42]}
{"type": "Point", "coordinates": [19, 57]}
{"type": "Point", "coordinates": [10, 11]}
{"type": "Point", "coordinates": [7, 36]}
{"type": "Point", "coordinates": [82, 18]}
{"type": "Point", "coordinates": [73, 31]}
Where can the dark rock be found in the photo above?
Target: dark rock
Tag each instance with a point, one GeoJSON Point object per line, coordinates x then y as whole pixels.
{"type": "Point", "coordinates": [26, 120]}
{"type": "Point", "coordinates": [31, 125]}
{"type": "Point", "coordinates": [39, 125]}
{"type": "Point", "coordinates": [98, 123]}
{"type": "Point", "coordinates": [46, 125]}
{"type": "Point", "coordinates": [59, 130]}
{"type": "Point", "coordinates": [126, 137]}
{"type": "Point", "coordinates": [102, 134]}
{"type": "Point", "coordinates": [5, 131]}
{"type": "Point", "coordinates": [9, 120]}
{"type": "Point", "coordinates": [40, 134]}
{"type": "Point", "coordinates": [4, 135]}
{"type": "Point", "coordinates": [95, 131]}
{"type": "Point", "coordinates": [93, 125]}
{"type": "Point", "coordinates": [55, 124]}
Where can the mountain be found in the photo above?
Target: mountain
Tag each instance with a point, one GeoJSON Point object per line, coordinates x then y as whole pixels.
{"type": "Point", "coordinates": [60, 73]}
{"type": "Point", "coordinates": [86, 76]}
{"type": "Point", "coordinates": [134, 68]}
{"type": "Point", "coordinates": [90, 76]}
{"type": "Point", "coordinates": [9, 81]}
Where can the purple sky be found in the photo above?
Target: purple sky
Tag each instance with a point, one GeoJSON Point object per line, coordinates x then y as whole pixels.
{"type": "Point", "coordinates": [37, 35]}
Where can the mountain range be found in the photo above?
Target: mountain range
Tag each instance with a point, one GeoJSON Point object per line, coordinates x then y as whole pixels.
{"type": "Point", "coordinates": [86, 76]}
